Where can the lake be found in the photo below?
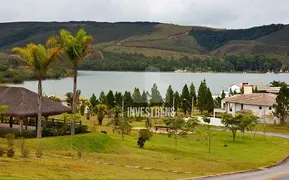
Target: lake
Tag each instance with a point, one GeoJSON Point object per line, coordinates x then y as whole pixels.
{"type": "Point", "coordinates": [96, 81]}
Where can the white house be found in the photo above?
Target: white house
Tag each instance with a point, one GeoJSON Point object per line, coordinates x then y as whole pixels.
{"type": "Point", "coordinates": [237, 88]}
{"type": "Point", "coordinates": [260, 104]}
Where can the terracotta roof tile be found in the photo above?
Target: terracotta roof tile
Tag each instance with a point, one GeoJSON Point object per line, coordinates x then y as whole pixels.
{"type": "Point", "coordinates": [264, 99]}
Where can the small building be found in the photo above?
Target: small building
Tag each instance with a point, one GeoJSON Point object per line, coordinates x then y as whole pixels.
{"type": "Point", "coordinates": [22, 104]}
{"type": "Point", "coordinates": [260, 104]}
{"type": "Point", "coordinates": [237, 88]}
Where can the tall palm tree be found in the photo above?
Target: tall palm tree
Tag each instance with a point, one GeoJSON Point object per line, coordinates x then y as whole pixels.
{"type": "Point", "coordinates": [75, 49]}
{"type": "Point", "coordinates": [39, 59]}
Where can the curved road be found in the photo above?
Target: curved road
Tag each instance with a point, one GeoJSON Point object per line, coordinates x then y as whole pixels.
{"type": "Point", "coordinates": [279, 172]}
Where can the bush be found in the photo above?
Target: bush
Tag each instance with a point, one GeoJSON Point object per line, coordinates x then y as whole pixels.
{"type": "Point", "coordinates": [25, 134]}
{"type": "Point", "coordinates": [10, 140]}
{"type": "Point", "coordinates": [55, 131]}
{"type": "Point", "coordinates": [24, 150]}
{"type": "Point", "coordinates": [10, 152]}
{"type": "Point", "coordinates": [79, 152]}
{"type": "Point", "coordinates": [2, 151]}
{"type": "Point", "coordinates": [38, 153]}
{"type": "Point", "coordinates": [141, 141]}
{"type": "Point", "coordinates": [144, 135]}
{"type": "Point", "coordinates": [59, 129]}
{"type": "Point", "coordinates": [81, 129]}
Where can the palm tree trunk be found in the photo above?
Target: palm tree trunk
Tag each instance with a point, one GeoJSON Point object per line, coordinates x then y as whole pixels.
{"type": "Point", "coordinates": [74, 101]}
{"type": "Point", "coordinates": [39, 134]}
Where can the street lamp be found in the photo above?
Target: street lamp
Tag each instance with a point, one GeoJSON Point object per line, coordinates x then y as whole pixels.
{"type": "Point", "coordinates": [192, 105]}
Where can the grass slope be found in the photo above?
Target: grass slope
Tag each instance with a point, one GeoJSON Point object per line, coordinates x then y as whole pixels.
{"type": "Point", "coordinates": [109, 157]}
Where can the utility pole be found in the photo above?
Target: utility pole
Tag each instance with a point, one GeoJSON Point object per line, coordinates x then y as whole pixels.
{"type": "Point", "coordinates": [192, 111]}
{"type": "Point", "coordinates": [174, 103]}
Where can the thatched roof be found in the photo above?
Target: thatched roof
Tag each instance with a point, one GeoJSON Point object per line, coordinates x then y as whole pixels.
{"type": "Point", "coordinates": [22, 102]}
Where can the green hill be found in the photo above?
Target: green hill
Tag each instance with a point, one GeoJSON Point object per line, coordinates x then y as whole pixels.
{"type": "Point", "coordinates": [156, 39]}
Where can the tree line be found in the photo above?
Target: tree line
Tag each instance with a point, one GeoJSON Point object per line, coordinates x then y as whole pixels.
{"type": "Point", "coordinates": [117, 102]}
{"type": "Point", "coordinates": [139, 62]}
{"type": "Point", "coordinates": [16, 74]}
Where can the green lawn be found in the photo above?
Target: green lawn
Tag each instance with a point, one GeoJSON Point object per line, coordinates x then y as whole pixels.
{"type": "Point", "coordinates": [108, 157]}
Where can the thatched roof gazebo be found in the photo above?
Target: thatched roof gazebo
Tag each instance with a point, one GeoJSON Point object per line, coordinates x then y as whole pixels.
{"type": "Point", "coordinates": [22, 103]}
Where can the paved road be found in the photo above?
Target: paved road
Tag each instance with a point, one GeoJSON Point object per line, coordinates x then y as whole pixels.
{"type": "Point", "coordinates": [280, 172]}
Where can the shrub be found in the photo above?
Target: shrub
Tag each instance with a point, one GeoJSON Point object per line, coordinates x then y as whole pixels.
{"type": "Point", "coordinates": [141, 141]}
{"type": "Point", "coordinates": [24, 150]}
{"type": "Point", "coordinates": [10, 152]}
{"type": "Point", "coordinates": [183, 134]}
{"type": "Point", "coordinates": [10, 140]}
{"type": "Point", "coordinates": [79, 152]}
{"type": "Point", "coordinates": [2, 151]}
{"type": "Point", "coordinates": [81, 129]}
{"type": "Point", "coordinates": [25, 134]}
{"type": "Point", "coordinates": [59, 129]}
{"type": "Point", "coordinates": [38, 153]}
{"type": "Point", "coordinates": [144, 135]}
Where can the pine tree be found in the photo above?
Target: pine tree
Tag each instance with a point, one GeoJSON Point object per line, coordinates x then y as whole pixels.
{"type": "Point", "coordinates": [223, 96]}
{"type": "Point", "coordinates": [209, 101]}
{"type": "Point", "coordinates": [193, 92]}
{"type": "Point", "coordinates": [185, 99]}
{"type": "Point", "coordinates": [177, 101]}
{"type": "Point", "coordinates": [256, 89]}
{"type": "Point", "coordinates": [136, 96]}
{"type": "Point", "coordinates": [202, 94]}
{"type": "Point", "coordinates": [110, 99]}
{"type": "Point", "coordinates": [128, 101]}
{"type": "Point", "coordinates": [102, 98]}
{"type": "Point", "coordinates": [144, 99]}
{"type": "Point", "coordinates": [118, 99]}
{"type": "Point", "coordinates": [156, 98]}
{"type": "Point", "coordinates": [169, 97]}
{"type": "Point", "coordinates": [282, 106]}
{"type": "Point", "coordinates": [93, 101]}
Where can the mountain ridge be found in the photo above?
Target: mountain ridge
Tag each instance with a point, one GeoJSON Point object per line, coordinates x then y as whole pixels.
{"type": "Point", "coordinates": [157, 39]}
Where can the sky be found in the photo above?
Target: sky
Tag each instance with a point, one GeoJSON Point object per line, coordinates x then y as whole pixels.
{"type": "Point", "coordinates": [229, 14]}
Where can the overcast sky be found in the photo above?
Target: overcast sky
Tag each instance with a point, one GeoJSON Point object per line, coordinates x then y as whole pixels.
{"type": "Point", "coordinates": [214, 13]}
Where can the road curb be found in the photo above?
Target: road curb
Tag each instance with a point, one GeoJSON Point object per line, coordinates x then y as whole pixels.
{"type": "Point", "coordinates": [241, 172]}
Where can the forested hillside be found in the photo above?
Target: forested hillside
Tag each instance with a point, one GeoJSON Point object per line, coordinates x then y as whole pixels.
{"type": "Point", "coordinates": [212, 39]}
{"type": "Point", "coordinates": [134, 46]}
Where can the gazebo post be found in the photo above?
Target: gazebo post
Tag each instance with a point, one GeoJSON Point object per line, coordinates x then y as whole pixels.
{"type": "Point", "coordinates": [26, 124]}
{"type": "Point", "coordinates": [11, 122]}
{"type": "Point", "coordinates": [21, 124]}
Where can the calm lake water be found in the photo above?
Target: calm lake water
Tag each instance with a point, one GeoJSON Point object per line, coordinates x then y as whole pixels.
{"type": "Point", "coordinates": [96, 81]}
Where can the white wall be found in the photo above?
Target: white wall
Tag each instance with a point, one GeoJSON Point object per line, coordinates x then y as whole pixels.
{"type": "Point", "coordinates": [255, 110]}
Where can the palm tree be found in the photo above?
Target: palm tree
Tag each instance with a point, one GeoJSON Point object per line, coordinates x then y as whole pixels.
{"type": "Point", "coordinates": [75, 49]}
{"type": "Point", "coordinates": [101, 110]}
{"type": "Point", "coordinates": [39, 59]}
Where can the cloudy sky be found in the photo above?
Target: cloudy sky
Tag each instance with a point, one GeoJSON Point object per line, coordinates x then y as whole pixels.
{"type": "Point", "coordinates": [214, 13]}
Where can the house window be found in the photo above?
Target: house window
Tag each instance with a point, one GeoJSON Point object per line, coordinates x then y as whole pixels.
{"type": "Point", "coordinates": [260, 107]}
{"type": "Point", "coordinates": [270, 108]}
{"type": "Point", "coordinates": [242, 106]}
